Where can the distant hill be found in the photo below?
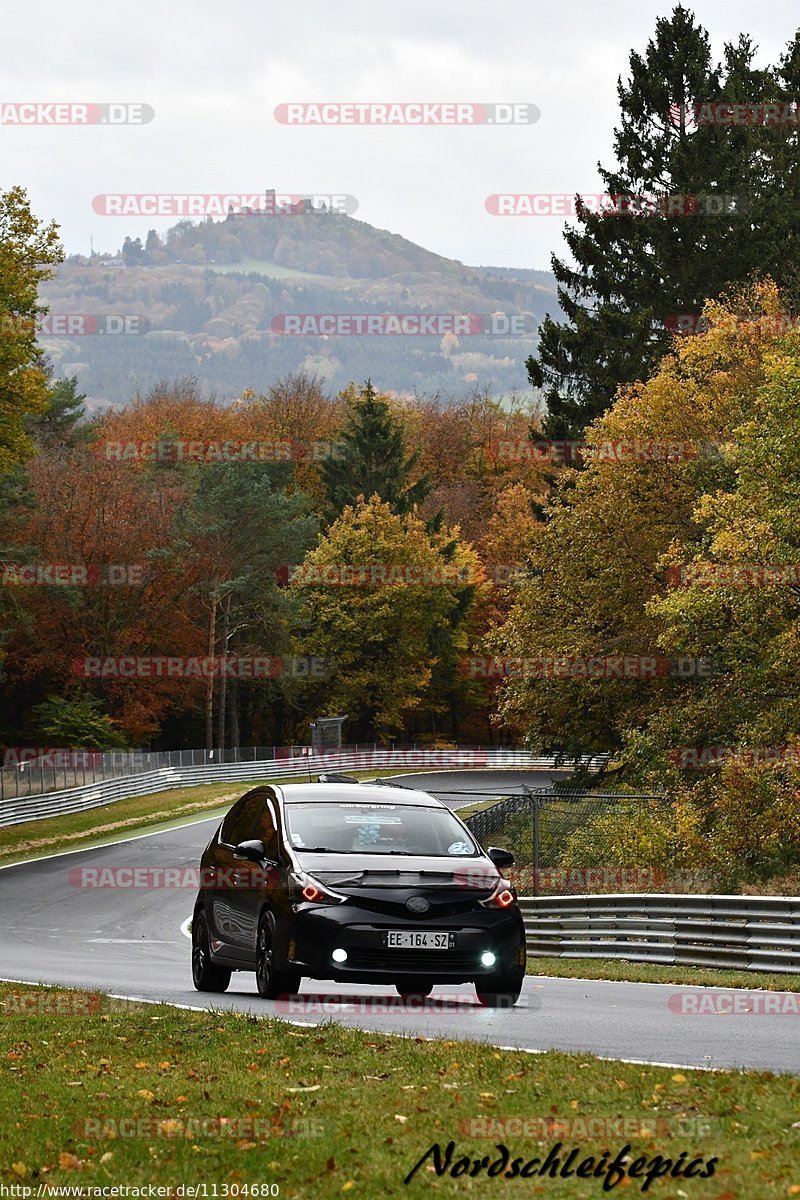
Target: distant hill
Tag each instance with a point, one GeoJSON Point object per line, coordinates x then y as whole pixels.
{"type": "Point", "coordinates": [209, 300]}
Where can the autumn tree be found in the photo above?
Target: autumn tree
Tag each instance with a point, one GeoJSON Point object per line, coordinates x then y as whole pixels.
{"type": "Point", "coordinates": [509, 539]}
{"type": "Point", "coordinates": [169, 412]}
{"type": "Point", "coordinates": [379, 638]}
{"type": "Point", "coordinates": [118, 525]}
{"type": "Point", "coordinates": [76, 721]}
{"type": "Point", "coordinates": [737, 574]}
{"type": "Point", "coordinates": [29, 250]}
{"type": "Point", "coordinates": [244, 526]}
{"type": "Point", "coordinates": [599, 561]}
{"type": "Point", "coordinates": [297, 415]}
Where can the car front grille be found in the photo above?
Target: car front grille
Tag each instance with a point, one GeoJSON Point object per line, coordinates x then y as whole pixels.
{"type": "Point", "coordinates": [424, 961]}
{"type": "Point", "coordinates": [398, 908]}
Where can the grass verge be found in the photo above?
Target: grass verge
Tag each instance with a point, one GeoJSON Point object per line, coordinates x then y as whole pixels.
{"type": "Point", "coordinates": [469, 810]}
{"type": "Point", "coordinates": [321, 1112]}
{"type": "Point", "coordinates": [631, 972]}
{"type": "Point", "coordinates": [124, 818]}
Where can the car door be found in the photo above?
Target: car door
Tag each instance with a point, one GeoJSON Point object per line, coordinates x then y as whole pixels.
{"type": "Point", "coordinates": [233, 876]}
{"type": "Point", "coordinates": [260, 884]}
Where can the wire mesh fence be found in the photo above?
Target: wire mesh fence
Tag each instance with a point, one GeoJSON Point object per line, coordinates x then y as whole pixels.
{"type": "Point", "coordinates": [27, 773]}
{"type": "Point", "coordinates": [556, 837]}
{"type": "Point", "coordinates": [33, 772]}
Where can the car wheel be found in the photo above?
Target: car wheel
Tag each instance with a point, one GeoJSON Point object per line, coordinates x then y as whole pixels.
{"type": "Point", "coordinates": [270, 980]}
{"type": "Point", "coordinates": [206, 975]}
{"type": "Point", "coordinates": [493, 992]}
{"type": "Point", "coordinates": [412, 988]}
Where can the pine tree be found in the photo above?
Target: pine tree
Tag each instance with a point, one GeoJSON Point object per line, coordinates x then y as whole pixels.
{"type": "Point", "coordinates": [59, 423]}
{"type": "Point", "coordinates": [372, 459]}
{"type": "Point", "coordinates": [633, 271]}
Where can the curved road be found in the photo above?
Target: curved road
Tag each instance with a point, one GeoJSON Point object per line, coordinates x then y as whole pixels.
{"type": "Point", "coordinates": [58, 928]}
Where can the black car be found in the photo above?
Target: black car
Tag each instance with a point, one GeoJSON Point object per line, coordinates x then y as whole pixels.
{"type": "Point", "coordinates": [361, 883]}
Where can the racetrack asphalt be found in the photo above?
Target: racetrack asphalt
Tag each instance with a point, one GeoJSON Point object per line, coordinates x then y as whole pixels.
{"type": "Point", "coordinates": [127, 941]}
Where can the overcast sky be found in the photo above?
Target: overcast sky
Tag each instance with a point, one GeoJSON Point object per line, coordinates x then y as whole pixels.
{"type": "Point", "coordinates": [214, 74]}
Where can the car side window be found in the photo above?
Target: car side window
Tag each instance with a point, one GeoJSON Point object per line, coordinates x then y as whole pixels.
{"type": "Point", "coordinates": [241, 823]}
{"type": "Point", "coordinates": [268, 834]}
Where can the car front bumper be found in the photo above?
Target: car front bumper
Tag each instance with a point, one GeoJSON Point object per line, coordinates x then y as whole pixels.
{"type": "Point", "coordinates": [318, 930]}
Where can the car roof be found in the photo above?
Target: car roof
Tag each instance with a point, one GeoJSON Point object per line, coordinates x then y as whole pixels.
{"type": "Point", "coordinates": [356, 793]}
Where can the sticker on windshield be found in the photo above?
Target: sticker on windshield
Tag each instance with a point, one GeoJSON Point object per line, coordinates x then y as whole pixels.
{"type": "Point", "coordinates": [373, 818]}
{"type": "Point", "coordinates": [371, 807]}
{"type": "Point", "coordinates": [459, 848]}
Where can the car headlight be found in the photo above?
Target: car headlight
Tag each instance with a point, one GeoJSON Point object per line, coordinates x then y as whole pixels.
{"type": "Point", "coordinates": [503, 896]}
{"type": "Point", "coordinates": [306, 888]}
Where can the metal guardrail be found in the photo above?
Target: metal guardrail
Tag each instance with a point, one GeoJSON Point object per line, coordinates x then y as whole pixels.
{"type": "Point", "coordinates": [28, 772]}
{"type": "Point", "coordinates": [751, 933]}
{"type": "Point", "coordinates": [78, 799]}
{"type": "Point", "coordinates": [25, 772]}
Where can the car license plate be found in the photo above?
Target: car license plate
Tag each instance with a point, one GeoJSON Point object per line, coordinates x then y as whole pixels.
{"type": "Point", "coordinates": [407, 939]}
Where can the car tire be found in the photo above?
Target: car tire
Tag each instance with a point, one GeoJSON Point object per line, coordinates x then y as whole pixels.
{"type": "Point", "coordinates": [413, 988]}
{"type": "Point", "coordinates": [206, 975]}
{"type": "Point", "coordinates": [494, 992]}
{"type": "Point", "coordinates": [272, 981]}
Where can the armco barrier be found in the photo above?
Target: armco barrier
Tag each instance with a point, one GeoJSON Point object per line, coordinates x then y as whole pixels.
{"type": "Point", "coordinates": [751, 933]}
{"type": "Point", "coordinates": [307, 766]}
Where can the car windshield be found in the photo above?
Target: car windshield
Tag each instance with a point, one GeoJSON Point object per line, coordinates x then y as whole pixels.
{"type": "Point", "coordinates": [340, 828]}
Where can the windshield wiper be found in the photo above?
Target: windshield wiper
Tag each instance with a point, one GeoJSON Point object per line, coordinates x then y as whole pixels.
{"type": "Point", "coordinates": [366, 850]}
{"type": "Point", "coordinates": [382, 853]}
{"type": "Point", "coordinates": [318, 850]}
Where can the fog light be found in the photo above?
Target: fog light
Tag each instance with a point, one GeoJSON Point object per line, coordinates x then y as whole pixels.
{"type": "Point", "coordinates": [340, 955]}
{"type": "Point", "coordinates": [488, 959]}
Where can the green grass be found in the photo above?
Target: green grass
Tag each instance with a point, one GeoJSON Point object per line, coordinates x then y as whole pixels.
{"type": "Point", "coordinates": [124, 818]}
{"type": "Point", "coordinates": [469, 810]}
{"type": "Point", "coordinates": [342, 1112]}
{"type": "Point", "coordinates": [631, 972]}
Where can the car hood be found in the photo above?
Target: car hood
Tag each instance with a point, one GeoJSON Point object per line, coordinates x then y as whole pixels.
{"type": "Point", "coordinates": [363, 873]}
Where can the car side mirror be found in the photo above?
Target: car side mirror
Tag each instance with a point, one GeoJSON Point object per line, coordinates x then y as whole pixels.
{"type": "Point", "coordinates": [500, 858]}
{"type": "Point", "coordinates": [254, 851]}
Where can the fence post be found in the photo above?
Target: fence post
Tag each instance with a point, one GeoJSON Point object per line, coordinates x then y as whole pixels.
{"type": "Point", "coordinates": [536, 803]}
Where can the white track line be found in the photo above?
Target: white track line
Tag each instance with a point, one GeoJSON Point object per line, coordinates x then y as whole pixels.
{"type": "Point", "coordinates": [137, 837]}
{"type": "Point", "coordinates": [636, 1062]}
